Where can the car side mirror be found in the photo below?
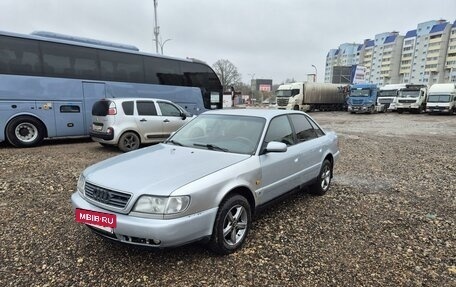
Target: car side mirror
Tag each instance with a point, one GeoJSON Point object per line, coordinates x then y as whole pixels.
{"type": "Point", "coordinates": [183, 115]}
{"type": "Point", "coordinates": [276, 147]}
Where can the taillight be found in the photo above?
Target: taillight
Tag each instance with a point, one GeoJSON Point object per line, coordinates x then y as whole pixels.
{"type": "Point", "coordinates": [112, 109]}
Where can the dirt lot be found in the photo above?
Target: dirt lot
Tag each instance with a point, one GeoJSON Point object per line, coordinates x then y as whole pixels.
{"type": "Point", "coordinates": [389, 219]}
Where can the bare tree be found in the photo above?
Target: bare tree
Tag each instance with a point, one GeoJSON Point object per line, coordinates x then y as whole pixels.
{"type": "Point", "coordinates": [227, 73]}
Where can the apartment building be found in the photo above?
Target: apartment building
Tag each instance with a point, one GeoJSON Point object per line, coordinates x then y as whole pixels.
{"type": "Point", "coordinates": [345, 55]}
{"type": "Point", "coordinates": [450, 64]}
{"type": "Point", "coordinates": [425, 55]}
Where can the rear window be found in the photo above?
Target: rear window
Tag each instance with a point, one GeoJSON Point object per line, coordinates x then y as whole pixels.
{"type": "Point", "coordinates": [128, 108]}
{"type": "Point", "coordinates": [101, 108]}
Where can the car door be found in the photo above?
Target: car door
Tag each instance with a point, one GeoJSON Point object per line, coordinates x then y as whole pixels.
{"type": "Point", "coordinates": [149, 124]}
{"type": "Point", "coordinates": [171, 117]}
{"type": "Point", "coordinates": [310, 145]}
{"type": "Point", "coordinates": [280, 171]}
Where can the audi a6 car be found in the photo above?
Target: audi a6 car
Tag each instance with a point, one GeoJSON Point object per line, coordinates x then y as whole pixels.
{"type": "Point", "coordinates": [130, 122]}
{"type": "Point", "coordinates": [207, 180]}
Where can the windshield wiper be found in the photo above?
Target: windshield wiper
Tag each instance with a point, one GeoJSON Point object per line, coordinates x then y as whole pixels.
{"type": "Point", "coordinates": [174, 142]}
{"type": "Point", "coordinates": [211, 147]}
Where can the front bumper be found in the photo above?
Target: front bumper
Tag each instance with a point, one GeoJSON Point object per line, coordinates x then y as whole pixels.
{"type": "Point", "coordinates": [154, 232]}
{"type": "Point", "coordinates": [438, 110]}
{"type": "Point", "coordinates": [360, 109]}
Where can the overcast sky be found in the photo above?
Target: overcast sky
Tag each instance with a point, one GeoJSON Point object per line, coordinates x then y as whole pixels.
{"type": "Point", "coordinates": [270, 39]}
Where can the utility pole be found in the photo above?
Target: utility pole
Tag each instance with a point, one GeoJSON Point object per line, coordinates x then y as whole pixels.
{"type": "Point", "coordinates": [156, 27]}
{"type": "Point", "coordinates": [315, 73]}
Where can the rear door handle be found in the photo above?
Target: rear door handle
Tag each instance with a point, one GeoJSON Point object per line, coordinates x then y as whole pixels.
{"type": "Point", "coordinates": [143, 120]}
{"type": "Point", "coordinates": [166, 121]}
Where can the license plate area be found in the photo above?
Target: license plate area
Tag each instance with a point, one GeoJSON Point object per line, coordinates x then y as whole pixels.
{"type": "Point", "coordinates": [100, 220]}
{"type": "Point", "coordinates": [98, 127]}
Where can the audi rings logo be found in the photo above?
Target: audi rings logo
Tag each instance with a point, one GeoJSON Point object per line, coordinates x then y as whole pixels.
{"type": "Point", "coordinates": [101, 195]}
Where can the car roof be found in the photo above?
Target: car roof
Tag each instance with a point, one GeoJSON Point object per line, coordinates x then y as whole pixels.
{"type": "Point", "coordinates": [264, 113]}
{"type": "Point", "coordinates": [134, 99]}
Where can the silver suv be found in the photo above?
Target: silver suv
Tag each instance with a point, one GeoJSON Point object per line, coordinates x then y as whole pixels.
{"type": "Point", "coordinates": [130, 122]}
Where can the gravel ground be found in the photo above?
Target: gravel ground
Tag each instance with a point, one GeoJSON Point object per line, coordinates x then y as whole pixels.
{"type": "Point", "coordinates": [389, 219]}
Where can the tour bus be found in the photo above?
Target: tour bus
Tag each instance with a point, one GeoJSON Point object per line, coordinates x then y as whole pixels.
{"type": "Point", "coordinates": [49, 82]}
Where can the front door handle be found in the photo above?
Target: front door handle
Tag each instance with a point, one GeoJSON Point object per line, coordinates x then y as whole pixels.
{"type": "Point", "coordinates": [143, 120]}
{"type": "Point", "coordinates": [166, 121]}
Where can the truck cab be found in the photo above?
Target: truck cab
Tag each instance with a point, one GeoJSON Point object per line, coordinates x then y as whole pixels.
{"type": "Point", "coordinates": [285, 92]}
{"type": "Point", "coordinates": [363, 99]}
{"type": "Point", "coordinates": [441, 99]}
{"type": "Point", "coordinates": [412, 99]}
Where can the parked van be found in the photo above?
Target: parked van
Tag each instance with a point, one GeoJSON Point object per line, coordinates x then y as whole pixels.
{"type": "Point", "coordinates": [442, 99]}
{"type": "Point", "coordinates": [130, 122]}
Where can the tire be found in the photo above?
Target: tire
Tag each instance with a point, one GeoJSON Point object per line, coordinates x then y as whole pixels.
{"type": "Point", "coordinates": [231, 225]}
{"type": "Point", "coordinates": [129, 141]}
{"type": "Point", "coordinates": [25, 131]}
{"type": "Point", "coordinates": [321, 186]}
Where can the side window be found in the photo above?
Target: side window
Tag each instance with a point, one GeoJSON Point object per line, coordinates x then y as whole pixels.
{"type": "Point", "coordinates": [146, 108]}
{"type": "Point", "coordinates": [316, 128]}
{"type": "Point", "coordinates": [169, 110]}
{"type": "Point", "coordinates": [121, 67]}
{"type": "Point", "coordinates": [128, 108]}
{"type": "Point", "coordinates": [163, 71]}
{"type": "Point", "coordinates": [280, 130]}
{"type": "Point", "coordinates": [19, 56]}
{"type": "Point", "coordinates": [56, 60]}
{"type": "Point", "coordinates": [303, 128]}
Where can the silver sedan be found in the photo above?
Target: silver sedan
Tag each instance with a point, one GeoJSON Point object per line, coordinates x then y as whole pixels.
{"type": "Point", "coordinates": [206, 180]}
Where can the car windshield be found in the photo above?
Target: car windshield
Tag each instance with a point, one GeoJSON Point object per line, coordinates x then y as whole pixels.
{"type": "Point", "coordinates": [360, 93]}
{"type": "Point", "coordinates": [409, 94]}
{"type": "Point", "coordinates": [222, 133]}
{"type": "Point", "coordinates": [439, 99]}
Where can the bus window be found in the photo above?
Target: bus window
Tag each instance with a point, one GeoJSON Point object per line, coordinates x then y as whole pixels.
{"type": "Point", "coordinates": [56, 60]}
{"type": "Point", "coordinates": [121, 67]}
{"type": "Point", "coordinates": [19, 57]}
{"type": "Point", "coordinates": [163, 71]}
{"type": "Point", "coordinates": [85, 63]}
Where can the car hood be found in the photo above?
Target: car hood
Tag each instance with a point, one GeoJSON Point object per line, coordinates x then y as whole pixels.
{"type": "Point", "coordinates": [158, 170]}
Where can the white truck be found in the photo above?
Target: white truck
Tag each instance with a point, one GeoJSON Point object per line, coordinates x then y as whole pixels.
{"type": "Point", "coordinates": [387, 95]}
{"type": "Point", "coordinates": [412, 99]}
{"type": "Point", "coordinates": [308, 96]}
{"type": "Point", "coordinates": [441, 99]}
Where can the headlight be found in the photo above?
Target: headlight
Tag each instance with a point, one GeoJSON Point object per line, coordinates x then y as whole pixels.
{"type": "Point", "coordinates": [81, 184]}
{"type": "Point", "coordinates": [161, 205]}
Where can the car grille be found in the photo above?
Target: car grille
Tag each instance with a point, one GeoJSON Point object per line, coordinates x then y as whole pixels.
{"type": "Point", "coordinates": [357, 102]}
{"type": "Point", "coordinates": [106, 196]}
{"type": "Point", "coordinates": [282, 102]}
{"type": "Point", "coordinates": [406, 101]}
{"type": "Point", "coordinates": [385, 101]}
